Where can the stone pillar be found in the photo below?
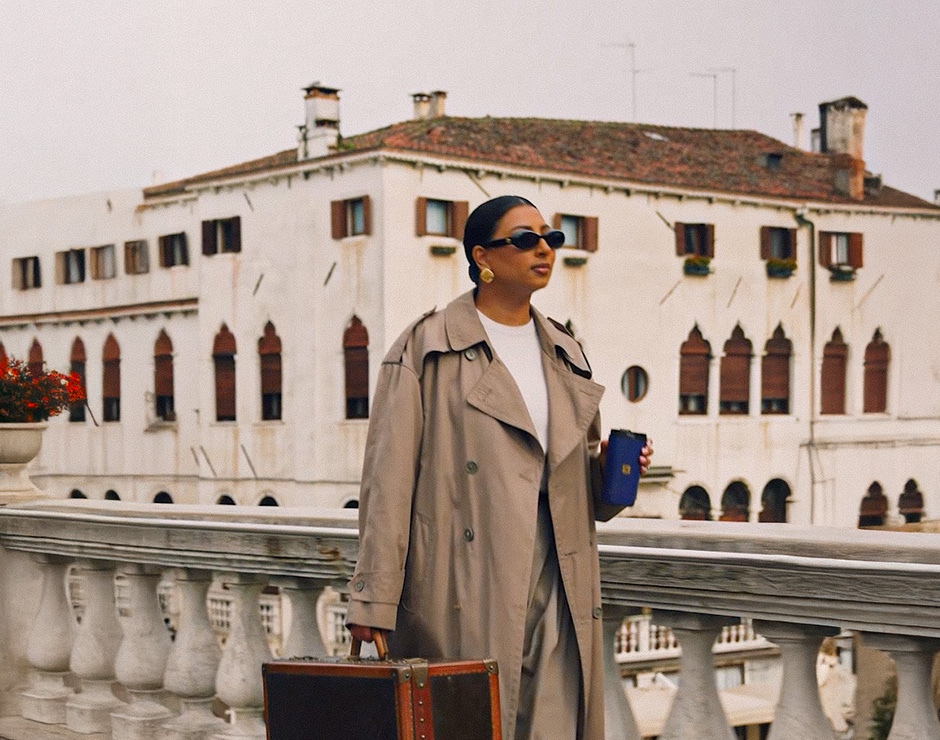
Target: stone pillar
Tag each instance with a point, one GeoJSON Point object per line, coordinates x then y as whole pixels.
{"type": "Point", "coordinates": [696, 711]}
{"type": "Point", "coordinates": [238, 681]}
{"type": "Point", "coordinates": [303, 635]}
{"type": "Point", "coordinates": [193, 661]}
{"type": "Point", "coordinates": [94, 652]}
{"type": "Point", "coordinates": [141, 659]}
{"type": "Point", "coordinates": [915, 717]}
{"type": "Point", "coordinates": [799, 714]}
{"type": "Point", "coordinates": [49, 646]}
{"type": "Point", "coordinates": [619, 722]}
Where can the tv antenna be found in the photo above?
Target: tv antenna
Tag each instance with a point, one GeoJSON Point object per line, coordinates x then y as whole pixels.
{"type": "Point", "coordinates": [631, 50]}
{"type": "Point", "coordinates": [714, 76]}
{"type": "Point", "coordinates": [733, 71]}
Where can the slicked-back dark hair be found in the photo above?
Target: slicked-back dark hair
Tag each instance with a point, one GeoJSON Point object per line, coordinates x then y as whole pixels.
{"type": "Point", "coordinates": [482, 223]}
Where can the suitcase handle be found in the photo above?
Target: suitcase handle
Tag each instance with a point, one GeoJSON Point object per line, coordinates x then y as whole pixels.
{"type": "Point", "coordinates": [381, 646]}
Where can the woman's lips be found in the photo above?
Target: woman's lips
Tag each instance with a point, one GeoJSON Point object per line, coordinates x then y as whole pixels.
{"type": "Point", "coordinates": [542, 269]}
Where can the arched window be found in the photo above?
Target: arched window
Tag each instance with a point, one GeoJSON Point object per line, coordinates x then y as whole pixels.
{"type": "Point", "coordinates": [356, 356]}
{"type": "Point", "coordinates": [774, 501]}
{"type": "Point", "coordinates": [911, 503]}
{"type": "Point", "coordinates": [833, 374]}
{"type": "Point", "coordinates": [874, 507]}
{"type": "Point", "coordinates": [695, 504]}
{"type": "Point", "coordinates": [35, 362]}
{"type": "Point", "coordinates": [735, 375]}
{"type": "Point", "coordinates": [223, 356]}
{"type": "Point", "coordinates": [111, 496]}
{"type": "Point", "coordinates": [736, 503]}
{"type": "Point", "coordinates": [226, 500]}
{"type": "Point", "coordinates": [353, 503]}
{"type": "Point", "coordinates": [877, 355]}
{"type": "Point", "coordinates": [268, 501]}
{"type": "Point", "coordinates": [775, 374]}
{"type": "Point", "coordinates": [77, 366]}
{"type": "Point", "coordinates": [269, 350]}
{"type": "Point", "coordinates": [163, 498]}
{"type": "Point", "coordinates": [77, 494]}
{"type": "Point", "coordinates": [163, 377]}
{"type": "Point", "coordinates": [111, 385]}
{"type": "Point", "coordinates": [694, 356]}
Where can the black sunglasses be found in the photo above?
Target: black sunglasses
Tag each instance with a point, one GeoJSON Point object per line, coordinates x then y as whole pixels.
{"type": "Point", "coordinates": [525, 240]}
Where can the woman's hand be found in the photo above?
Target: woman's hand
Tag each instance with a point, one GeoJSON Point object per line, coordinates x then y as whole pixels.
{"type": "Point", "coordinates": [646, 455]}
{"type": "Point", "coordinates": [363, 634]}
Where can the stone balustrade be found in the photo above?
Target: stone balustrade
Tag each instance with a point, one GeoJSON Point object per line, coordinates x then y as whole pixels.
{"type": "Point", "coordinates": [119, 672]}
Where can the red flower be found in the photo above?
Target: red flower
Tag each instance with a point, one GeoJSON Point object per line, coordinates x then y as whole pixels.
{"type": "Point", "coordinates": [28, 397]}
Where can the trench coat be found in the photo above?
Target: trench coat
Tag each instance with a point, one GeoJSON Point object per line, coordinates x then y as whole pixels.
{"type": "Point", "coordinates": [449, 499]}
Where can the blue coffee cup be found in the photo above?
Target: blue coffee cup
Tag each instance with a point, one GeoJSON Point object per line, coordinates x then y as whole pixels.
{"type": "Point", "coordinates": [622, 470]}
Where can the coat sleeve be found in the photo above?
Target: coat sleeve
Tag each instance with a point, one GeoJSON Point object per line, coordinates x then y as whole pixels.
{"type": "Point", "coordinates": [389, 473]}
{"type": "Point", "coordinates": [602, 512]}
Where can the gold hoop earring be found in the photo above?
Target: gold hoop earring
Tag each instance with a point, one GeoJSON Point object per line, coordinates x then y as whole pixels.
{"type": "Point", "coordinates": [486, 275]}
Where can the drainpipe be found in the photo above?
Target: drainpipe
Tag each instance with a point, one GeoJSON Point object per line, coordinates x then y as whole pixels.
{"type": "Point", "coordinates": [801, 219]}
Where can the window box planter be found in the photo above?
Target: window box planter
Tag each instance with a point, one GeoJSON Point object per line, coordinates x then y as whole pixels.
{"type": "Point", "coordinates": [442, 250]}
{"type": "Point", "coordinates": [696, 266]}
{"type": "Point", "coordinates": [777, 268]}
{"type": "Point", "coordinates": [575, 261]}
{"type": "Point", "coordinates": [842, 273]}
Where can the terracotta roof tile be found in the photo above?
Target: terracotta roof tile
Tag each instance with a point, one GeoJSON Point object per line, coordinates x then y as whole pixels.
{"type": "Point", "coordinates": [717, 160]}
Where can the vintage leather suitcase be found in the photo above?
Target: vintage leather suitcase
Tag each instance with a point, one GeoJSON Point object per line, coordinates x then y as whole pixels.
{"type": "Point", "coordinates": [351, 698]}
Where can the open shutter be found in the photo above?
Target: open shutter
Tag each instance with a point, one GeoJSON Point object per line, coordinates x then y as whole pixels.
{"type": "Point", "coordinates": [269, 348]}
{"type": "Point", "coordinates": [735, 369]}
{"type": "Point", "coordinates": [224, 387]}
{"type": "Point", "coordinates": [556, 221]}
{"type": "Point", "coordinates": [775, 367]}
{"type": "Point", "coordinates": [765, 242]}
{"type": "Point", "coordinates": [210, 237]}
{"type": "Point", "coordinates": [421, 216]}
{"type": "Point", "coordinates": [833, 375]}
{"type": "Point", "coordinates": [589, 238]}
{"type": "Point", "coordinates": [163, 365]}
{"type": "Point", "coordinates": [709, 240]}
{"type": "Point", "coordinates": [793, 252]}
{"type": "Point", "coordinates": [236, 245]}
{"type": "Point", "coordinates": [877, 355]}
{"type": "Point", "coordinates": [679, 229]}
{"type": "Point", "coordinates": [461, 209]}
{"type": "Point", "coordinates": [855, 250]}
{"type": "Point", "coordinates": [695, 354]}
{"type": "Point", "coordinates": [825, 248]}
{"type": "Point", "coordinates": [338, 219]}
{"type": "Point", "coordinates": [366, 214]}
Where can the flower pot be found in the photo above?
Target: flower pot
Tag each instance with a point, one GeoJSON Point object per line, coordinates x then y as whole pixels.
{"type": "Point", "coordinates": [19, 444]}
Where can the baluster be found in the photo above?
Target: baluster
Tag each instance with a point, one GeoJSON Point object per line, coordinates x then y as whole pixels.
{"type": "Point", "coordinates": [303, 635]}
{"type": "Point", "coordinates": [141, 659]}
{"type": "Point", "coordinates": [193, 661]}
{"type": "Point", "coordinates": [93, 653]}
{"type": "Point", "coordinates": [915, 717]}
{"type": "Point", "coordinates": [696, 711]}
{"type": "Point", "coordinates": [619, 721]}
{"type": "Point", "coordinates": [799, 714]}
{"type": "Point", "coordinates": [238, 681]}
{"type": "Point", "coordinates": [49, 646]}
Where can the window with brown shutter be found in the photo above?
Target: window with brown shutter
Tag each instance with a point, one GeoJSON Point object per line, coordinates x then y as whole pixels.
{"type": "Point", "coordinates": [222, 235]}
{"type": "Point", "coordinates": [777, 243]}
{"type": "Point", "coordinates": [694, 358]}
{"type": "Point", "coordinates": [351, 217]}
{"type": "Point", "coordinates": [269, 352]}
{"type": "Point", "coordinates": [163, 377]}
{"type": "Point", "coordinates": [223, 358]}
{"type": "Point", "coordinates": [356, 357]}
{"type": "Point", "coordinates": [840, 251]}
{"type": "Point", "coordinates": [874, 507]}
{"type": "Point", "coordinates": [877, 356]}
{"type": "Point", "coordinates": [77, 366]}
{"type": "Point", "coordinates": [35, 362]}
{"type": "Point", "coordinates": [111, 380]}
{"type": "Point", "coordinates": [580, 231]}
{"type": "Point", "coordinates": [438, 217]}
{"type": "Point", "coordinates": [833, 374]}
{"type": "Point", "coordinates": [136, 257]}
{"type": "Point", "coordinates": [26, 273]}
{"type": "Point", "coordinates": [735, 374]}
{"type": "Point", "coordinates": [775, 374]}
{"type": "Point", "coordinates": [174, 250]}
{"type": "Point", "coordinates": [695, 240]}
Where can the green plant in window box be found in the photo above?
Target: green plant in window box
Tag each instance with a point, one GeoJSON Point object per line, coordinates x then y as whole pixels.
{"type": "Point", "coordinates": [575, 261]}
{"type": "Point", "coordinates": [697, 265]}
{"type": "Point", "coordinates": [442, 250]}
{"type": "Point", "coordinates": [842, 273]}
{"type": "Point", "coordinates": [780, 268]}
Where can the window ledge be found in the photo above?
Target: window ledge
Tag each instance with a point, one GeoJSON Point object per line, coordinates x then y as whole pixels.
{"type": "Point", "coordinates": [159, 426]}
{"type": "Point", "coordinates": [269, 423]}
{"type": "Point", "coordinates": [442, 250]}
{"type": "Point", "coordinates": [575, 260]}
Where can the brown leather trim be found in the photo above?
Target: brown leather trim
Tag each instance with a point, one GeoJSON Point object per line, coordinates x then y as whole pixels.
{"type": "Point", "coordinates": [365, 669]}
{"type": "Point", "coordinates": [495, 716]}
{"type": "Point", "coordinates": [457, 668]}
{"type": "Point", "coordinates": [403, 701]}
{"type": "Point", "coordinates": [421, 702]}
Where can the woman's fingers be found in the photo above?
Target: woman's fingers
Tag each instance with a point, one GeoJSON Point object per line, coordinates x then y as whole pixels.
{"type": "Point", "coordinates": [363, 634]}
{"type": "Point", "coordinates": [646, 455]}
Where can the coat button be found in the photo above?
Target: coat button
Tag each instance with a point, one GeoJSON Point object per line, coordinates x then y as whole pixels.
{"type": "Point", "coordinates": [359, 585]}
{"type": "Point", "coordinates": [471, 467]}
{"type": "Point", "coordinates": [597, 612]}
{"type": "Point", "coordinates": [468, 534]}
{"type": "Point", "coordinates": [470, 353]}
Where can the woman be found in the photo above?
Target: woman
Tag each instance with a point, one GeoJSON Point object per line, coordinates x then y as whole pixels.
{"type": "Point", "coordinates": [479, 488]}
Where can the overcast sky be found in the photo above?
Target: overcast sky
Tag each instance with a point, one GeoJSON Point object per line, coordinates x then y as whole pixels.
{"type": "Point", "coordinates": [97, 95]}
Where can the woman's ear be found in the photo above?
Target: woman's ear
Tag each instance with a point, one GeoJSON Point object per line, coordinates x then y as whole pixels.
{"type": "Point", "coordinates": [478, 253]}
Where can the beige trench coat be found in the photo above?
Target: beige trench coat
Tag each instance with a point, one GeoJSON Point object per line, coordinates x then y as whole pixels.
{"type": "Point", "coordinates": [449, 498]}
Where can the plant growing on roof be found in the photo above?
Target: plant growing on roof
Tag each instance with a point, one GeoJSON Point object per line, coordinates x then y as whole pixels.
{"type": "Point", "coordinates": [28, 396]}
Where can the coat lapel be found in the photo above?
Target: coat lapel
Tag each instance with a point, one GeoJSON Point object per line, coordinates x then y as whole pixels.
{"type": "Point", "coordinates": [497, 395]}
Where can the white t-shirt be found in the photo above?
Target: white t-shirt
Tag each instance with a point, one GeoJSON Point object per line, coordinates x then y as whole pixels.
{"type": "Point", "coordinates": [519, 350]}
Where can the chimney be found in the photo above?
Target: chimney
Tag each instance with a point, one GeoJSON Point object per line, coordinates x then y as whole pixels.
{"type": "Point", "coordinates": [797, 129]}
{"type": "Point", "coordinates": [422, 103]}
{"type": "Point", "coordinates": [842, 134]}
{"type": "Point", "coordinates": [936, 196]}
{"type": "Point", "coordinates": [437, 103]}
{"type": "Point", "coordinates": [320, 130]}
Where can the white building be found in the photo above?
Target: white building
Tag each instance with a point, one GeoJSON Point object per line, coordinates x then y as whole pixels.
{"type": "Point", "coordinates": [797, 391]}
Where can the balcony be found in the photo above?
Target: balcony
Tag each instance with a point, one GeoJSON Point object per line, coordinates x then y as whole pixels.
{"type": "Point", "coordinates": [180, 605]}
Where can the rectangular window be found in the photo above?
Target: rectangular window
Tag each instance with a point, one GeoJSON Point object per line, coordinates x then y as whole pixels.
{"type": "Point", "coordinates": [26, 274]}
{"type": "Point", "coordinates": [136, 257]}
{"type": "Point", "coordinates": [102, 262]}
{"type": "Point", "coordinates": [580, 231]}
{"type": "Point", "coordinates": [695, 240]}
{"type": "Point", "coordinates": [351, 217]}
{"type": "Point", "coordinates": [437, 217]}
{"type": "Point", "coordinates": [222, 235]}
{"type": "Point", "coordinates": [840, 249]}
{"type": "Point", "coordinates": [777, 243]}
{"type": "Point", "coordinates": [70, 267]}
{"type": "Point", "coordinates": [174, 250]}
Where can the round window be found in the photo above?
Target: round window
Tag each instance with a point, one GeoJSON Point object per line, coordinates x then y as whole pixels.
{"type": "Point", "coordinates": [634, 383]}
